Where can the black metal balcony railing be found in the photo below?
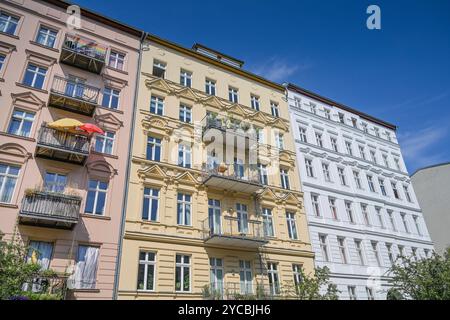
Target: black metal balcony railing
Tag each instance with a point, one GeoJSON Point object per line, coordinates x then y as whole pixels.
{"type": "Point", "coordinates": [83, 53]}
{"type": "Point", "coordinates": [73, 96]}
{"type": "Point", "coordinates": [62, 145]}
{"type": "Point", "coordinates": [236, 177]}
{"type": "Point", "coordinates": [50, 209]}
{"type": "Point", "coordinates": [53, 287]}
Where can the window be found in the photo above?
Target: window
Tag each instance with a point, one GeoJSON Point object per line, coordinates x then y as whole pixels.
{"type": "Point", "coordinates": [362, 152]}
{"type": "Point", "coordinates": [210, 87]}
{"type": "Point", "coordinates": [242, 216]}
{"type": "Point", "coordinates": [382, 187]}
{"type": "Point", "coordinates": [96, 197]}
{"type": "Point", "coordinates": [116, 60]}
{"type": "Point", "coordinates": [216, 275]}
{"type": "Point", "coordinates": [34, 76]}
{"type": "Point", "coordinates": [274, 282]}
{"type": "Point", "coordinates": [268, 222]}
{"type": "Point", "coordinates": [326, 172]}
{"type": "Point", "coordinates": [341, 118]}
{"type": "Point", "coordinates": [388, 136]}
{"type": "Point", "coordinates": [417, 224]}
{"type": "Point", "coordinates": [159, 69]}
{"type": "Point", "coordinates": [185, 78]}
{"type": "Point", "coordinates": [21, 123]}
{"type": "Point", "coordinates": [297, 102]}
{"type": "Point", "coordinates": [245, 277]}
{"type": "Point", "coordinates": [391, 219]}
{"type": "Point", "coordinates": [324, 247]}
{"type": "Point", "coordinates": [184, 155]}
{"type": "Point", "coordinates": [405, 222]}
{"type": "Point", "coordinates": [334, 144]}
{"type": "Point", "coordinates": [357, 179]}
{"type": "Point", "coordinates": [8, 179]}
{"type": "Point", "coordinates": [182, 273]}
{"type": "Point", "coordinates": [146, 271]}
{"type": "Point", "coordinates": [319, 141]}
{"type": "Point", "coordinates": [352, 293]}
{"type": "Point", "coordinates": [315, 204]}
{"type": "Point", "coordinates": [333, 209]}
{"type": "Point", "coordinates": [390, 253]}
{"type": "Point", "coordinates": [233, 95]}
{"type": "Point", "coordinates": [342, 176]}
{"type": "Point", "coordinates": [150, 205]}
{"type": "Point", "coordinates": [111, 98]}
{"type": "Point", "coordinates": [292, 229]}
{"type": "Point", "coordinates": [184, 209]}
{"type": "Point", "coordinates": [313, 108]}
{"type": "Point", "coordinates": [348, 146]}
{"type": "Point", "coordinates": [297, 273]}
{"type": "Point", "coordinates": [153, 149]}
{"type": "Point", "coordinates": [427, 253]}
{"type": "Point", "coordinates": [327, 113]}
{"type": "Point", "coordinates": [262, 170]}
{"type": "Point", "coordinates": [365, 128]}
{"type": "Point", "coordinates": [377, 132]}
{"type": "Point", "coordinates": [354, 123]}
{"type": "Point", "coordinates": [401, 251]}
{"type": "Point", "coordinates": [309, 168]}
{"type": "Point", "coordinates": [303, 137]}
{"type": "Point", "coordinates": [254, 102]}
{"type": "Point", "coordinates": [105, 143]}
{"type": "Point", "coordinates": [342, 251]}
{"type": "Point", "coordinates": [260, 135]}
{"type": "Point", "coordinates": [365, 214]}
{"type": "Point", "coordinates": [157, 105]}
{"type": "Point", "coordinates": [385, 160]}
{"type": "Point", "coordinates": [2, 61]}
{"type": "Point", "coordinates": [414, 253]}
{"type": "Point", "coordinates": [359, 251]}
{"type": "Point", "coordinates": [348, 208]}
{"type": "Point", "coordinates": [8, 23]}
{"type": "Point", "coordinates": [373, 156]}
{"type": "Point", "coordinates": [371, 185]}
{"type": "Point", "coordinates": [214, 216]}
{"type": "Point", "coordinates": [274, 109]}
{"type": "Point", "coordinates": [284, 175]}
{"type": "Point", "coordinates": [55, 182]}
{"type": "Point", "coordinates": [394, 190]}
{"type": "Point", "coordinates": [397, 164]}
{"type": "Point", "coordinates": [376, 253]}
{"type": "Point", "coordinates": [369, 292]}
{"type": "Point", "coordinates": [86, 267]}
{"type": "Point", "coordinates": [279, 140]}
{"type": "Point", "coordinates": [185, 113]}
{"type": "Point", "coordinates": [407, 195]}
{"type": "Point", "coordinates": [379, 217]}
{"type": "Point", "coordinates": [46, 37]}
{"type": "Point", "coordinates": [42, 252]}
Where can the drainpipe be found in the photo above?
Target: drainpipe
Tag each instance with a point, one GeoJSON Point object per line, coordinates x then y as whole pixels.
{"type": "Point", "coordinates": [127, 174]}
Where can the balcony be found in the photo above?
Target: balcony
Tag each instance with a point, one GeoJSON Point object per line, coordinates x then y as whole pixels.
{"type": "Point", "coordinates": [63, 146]}
{"type": "Point", "coordinates": [228, 231]}
{"type": "Point", "coordinates": [83, 53]}
{"type": "Point", "coordinates": [231, 131]}
{"type": "Point", "coordinates": [243, 291]}
{"type": "Point", "coordinates": [49, 209]}
{"type": "Point", "coordinates": [233, 177]}
{"type": "Point", "coordinates": [73, 96]}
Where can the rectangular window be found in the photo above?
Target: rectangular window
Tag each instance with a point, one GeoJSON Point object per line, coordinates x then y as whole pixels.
{"type": "Point", "coordinates": [242, 216]}
{"type": "Point", "coordinates": [150, 205]}
{"type": "Point", "coordinates": [382, 187]}
{"type": "Point", "coordinates": [297, 273]}
{"type": "Point", "coordinates": [184, 209]}
{"type": "Point", "coordinates": [216, 275]}
{"type": "Point", "coordinates": [370, 182]}
{"type": "Point", "coordinates": [388, 136]}
{"type": "Point", "coordinates": [245, 277]}
{"type": "Point", "coordinates": [373, 156]}
{"type": "Point", "coordinates": [8, 180]}
{"type": "Point", "coordinates": [35, 76]}
{"type": "Point", "coordinates": [274, 282]}
{"type": "Point", "coordinates": [365, 214]}
{"type": "Point", "coordinates": [96, 197]}
{"type": "Point", "coordinates": [105, 143]}
{"type": "Point", "coordinates": [262, 170]}
{"type": "Point", "coordinates": [274, 109]}
{"type": "Point", "coordinates": [111, 98]}
{"type": "Point", "coordinates": [354, 123]}
{"type": "Point", "coordinates": [46, 36]}
{"type": "Point", "coordinates": [377, 132]}
{"type": "Point", "coordinates": [315, 204]}
{"type": "Point", "coordinates": [392, 220]}
{"type": "Point", "coordinates": [210, 87]}
{"type": "Point", "coordinates": [390, 253]}
{"type": "Point", "coordinates": [159, 69]}
{"type": "Point", "coordinates": [359, 251]}
{"type": "Point", "coordinates": [55, 182]}
{"type": "Point", "coordinates": [417, 224]}
{"type": "Point", "coordinates": [157, 105]}
{"type": "Point", "coordinates": [279, 140]}
{"type": "Point", "coordinates": [184, 155]}
{"type": "Point", "coordinates": [326, 172]}
{"type": "Point", "coordinates": [146, 271]}
{"type": "Point", "coordinates": [357, 179]}
{"type": "Point", "coordinates": [376, 253]}
{"type": "Point", "coordinates": [379, 217]}
{"type": "Point", "coordinates": [21, 123]}
{"type": "Point", "coordinates": [334, 144]}
{"type": "Point", "coordinates": [185, 113]}
{"type": "Point", "coordinates": [214, 216]}
{"type": "Point", "coordinates": [342, 176]}
{"type": "Point", "coordinates": [342, 251]}
{"type": "Point", "coordinates": [313, 108]}
{"type": "Point", "coordinates": [284, 175]}
{"type": "Point", "coordinates": [233, 95]}
{"type": "Point", "coordinates": [405, 222]}
{"type": "Point", "coordinates": [365, 128]}
{"type": "Point", "coordinates": [85, 275]}
{"type": "Point", "coordinates": [185, 78]}
{"type": "Point", "coordinates": [327, 113]}
{"type": "Point", "coordinates": [116, 60]}
{"type": "Point", "coordinates": [333, 209]}
{"type": "Point", "coordinates": [153, 149]}
{"type": "Point", "coordinates": [394, 190]}
{"type": "Point", "coordinates": [309, 168]}
{"type": "Point", "coordinates": [407, 195]}
{"type": "Point", "coordinates": [324, 247]}
{"type": "Point", "coordinates": [341, 118]}
{"type": "Point", "coordinates": [401, 251]}
{"type": "Point", "coordinates": [385, 160]}
{"type": "Point", "coordinates": [348, 146]}
{"type": "Point", "coordinates": [268, 222]}
{"type": "Point", "coordinates": [303, 137]}
{"type": "Point", "coordinates": [397, 164]}
{"type": "Point", "coordinates": [348, 208]}
{"type": "Point", "coordinates": [369, 292]}
{"type": "Point", "coordinates": [8, 23]}
{"type": "Point", "coordinates": [254, 102]}
{"type": "Point", "coordinates": [362, 152]}
{"type": "Point", "coordinates": [292, 229]}
{"type": "Point", "coordinates": [2, 61]}
{"type": "Point", "coordinates": [319, 141]}
{"type": "Point", "coordinates": [182, 273]}
{"type": "Point", "coordinates": [414, 253]}
{"type": "Point", "coordinates": [42, 252]}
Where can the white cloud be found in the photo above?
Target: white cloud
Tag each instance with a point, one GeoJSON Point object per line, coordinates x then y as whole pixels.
{"type": "Point", "coordinates": [279, 70]}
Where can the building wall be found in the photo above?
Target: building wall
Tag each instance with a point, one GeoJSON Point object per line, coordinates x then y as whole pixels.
{"type": "Point", "coordinates": [351, 272]}
{"type": "Point", "coordinates": [19, 49]}
{"type": "Point", "coordinates": [164, 237]}
{"type": "Point", "coordinates": [431, 185]}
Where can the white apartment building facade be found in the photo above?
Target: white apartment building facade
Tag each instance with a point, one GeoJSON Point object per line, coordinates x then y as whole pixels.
{"type": "Point", "coordinates": [361, 207]}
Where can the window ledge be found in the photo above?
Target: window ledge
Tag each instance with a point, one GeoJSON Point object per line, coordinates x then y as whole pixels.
{"type": "Point", "coordinates": [10, 35]}
{"type": "Point", "coordinates": [92, 216]}
{"type": "Point", "coordinates": [9, 205]}
{"type": "Point", "coordinates": [6, 134]}
{"type": "Point", "coordinates": [31, 88]}
{"type": "Point", "coordinates": [86, 290]}
{"type": "Point", "coordinates": [104, 154]}
{"type": "Point", "coordinates": [110, 109]}
{"type": "Point", "coordinates": [43, 46]}
{"type": "Point", "coordinates": [116, 70]}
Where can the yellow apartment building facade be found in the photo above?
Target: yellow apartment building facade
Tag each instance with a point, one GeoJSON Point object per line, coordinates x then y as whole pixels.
{"type": "Point", "coordinates": [214, 205]}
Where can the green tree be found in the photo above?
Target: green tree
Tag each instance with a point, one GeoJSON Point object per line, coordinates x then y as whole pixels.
{"type": "Point", "coordinates": [315, 287]}
{"type": "Point", "coordinates": [424, 279]}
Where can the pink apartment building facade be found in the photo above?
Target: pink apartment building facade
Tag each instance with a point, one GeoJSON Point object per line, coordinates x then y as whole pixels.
{"type": "Point", "coordinates": [61, 190]}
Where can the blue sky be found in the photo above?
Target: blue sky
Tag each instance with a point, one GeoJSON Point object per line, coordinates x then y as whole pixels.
{"type": "Point", "coordinates": [400, 73]}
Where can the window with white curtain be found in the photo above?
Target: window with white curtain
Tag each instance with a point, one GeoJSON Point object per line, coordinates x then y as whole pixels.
{"type": "Point", "coordinates": [184, 209]}
{"type": "Point", "coordinates": [85, 275]}
{"type": "Point", "coordinates": [8, 179]}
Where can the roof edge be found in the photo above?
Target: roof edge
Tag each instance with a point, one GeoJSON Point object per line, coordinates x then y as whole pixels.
{"type": "Point", "coordinates": [430, 167]}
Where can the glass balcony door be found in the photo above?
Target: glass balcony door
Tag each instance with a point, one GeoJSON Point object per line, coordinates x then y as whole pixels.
{"type": "Point", "coordinates": [242, 216]}
{"type": "Point", "coordinates": [239, 169]}
{"type": "Point", "coordinates": [55, 182]}
{"type": "Point", "coordinates": [214, 215]}
{"type": "Point", "coordinates": [75, 87]}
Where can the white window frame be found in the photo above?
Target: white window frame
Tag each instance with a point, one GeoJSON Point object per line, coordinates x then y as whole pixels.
{"type": "Point", "coordinates": [7, 176]}
{"type": "Point", "coordinates": [104, 138]}
{"type": "Point", "coordinates": [48, 34]}
{"type": "Point", "coordinates": [118, 57]}
{"type": "Point", "coordinates": [292, 227]}
{"type": "Point", "coordinates": [22, 118]}
{"type": "Point", "coordinates": [183, 265]}
{"type": "Point", "coordinates": [146, 264]}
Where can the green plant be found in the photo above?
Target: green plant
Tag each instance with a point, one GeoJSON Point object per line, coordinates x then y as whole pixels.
{"type": "Point", "coordinates": [311, 286]}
